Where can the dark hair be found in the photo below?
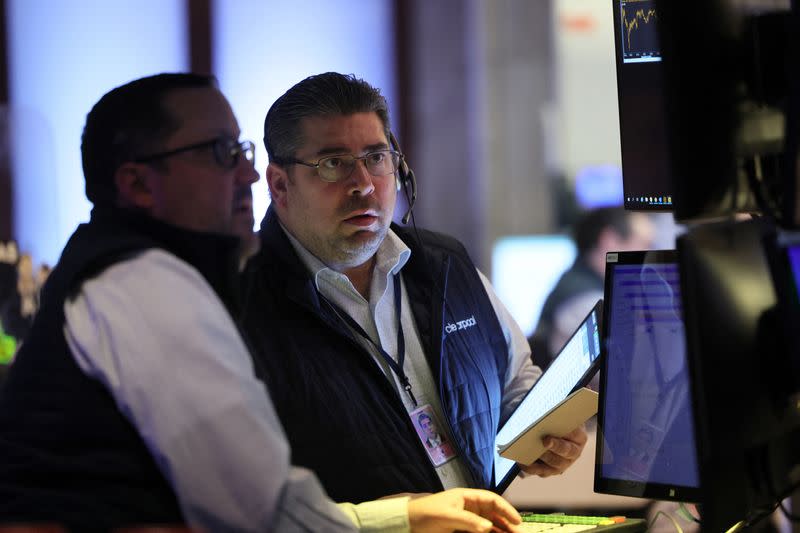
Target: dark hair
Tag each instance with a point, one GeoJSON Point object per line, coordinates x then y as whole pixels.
{"type": "Point", "coordinates": [423, 415]}
{"type": "Point", "coordinates": [591, 224]}
{"type": "Point", "coordinates": [126, 123]}
{"type": "Point", "coordinates": [327, 94]}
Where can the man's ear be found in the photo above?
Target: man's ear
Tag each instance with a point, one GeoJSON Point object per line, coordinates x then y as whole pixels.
{"type": "Point", "coordinates": [134, 186]}
{"type": "Point", "coordinates": [278, 183]}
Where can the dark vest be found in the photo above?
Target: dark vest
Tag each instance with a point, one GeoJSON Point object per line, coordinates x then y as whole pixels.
{"type": "Point", "coordinates": [67, 454]}
{"type": "Point", "coordinates": [343, 418]}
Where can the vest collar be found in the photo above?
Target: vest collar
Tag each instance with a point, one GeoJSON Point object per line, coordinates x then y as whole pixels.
{"type": "Point", "coordinates": [214, 255]}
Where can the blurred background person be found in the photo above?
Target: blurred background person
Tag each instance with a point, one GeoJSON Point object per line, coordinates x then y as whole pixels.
{"type": "Point", "coordinates": [19, 308]}
{"type": "Point", "coordinates": [596, 232]}
{"type": "Point", "coordinates": [41, 275]}
{"type": "Point", "coordinates": [8, 272]}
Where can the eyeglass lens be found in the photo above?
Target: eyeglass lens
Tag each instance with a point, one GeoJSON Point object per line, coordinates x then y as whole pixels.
{"type": "Point", "coordinates": [340, 167]}
{"type": "Point", "coordinates": [227, 152]}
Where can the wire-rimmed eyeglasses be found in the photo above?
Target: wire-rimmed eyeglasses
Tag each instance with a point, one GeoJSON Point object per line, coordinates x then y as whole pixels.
{"type": "Point", "coordinates": [226, 151]}
{"type": "Point", "coordinates": [339, 167]}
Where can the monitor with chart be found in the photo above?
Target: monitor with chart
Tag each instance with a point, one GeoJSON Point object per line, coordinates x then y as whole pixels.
{"type": "Point", "coordinates": [642, 121]}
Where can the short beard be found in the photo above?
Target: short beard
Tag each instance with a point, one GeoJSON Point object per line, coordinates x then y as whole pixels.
{"type": "Point", "coordinates": [342, 257]}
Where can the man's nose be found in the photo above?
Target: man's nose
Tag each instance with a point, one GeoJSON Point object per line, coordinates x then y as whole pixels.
{"type": "Point", "coordinates": [246, 172]}
{"type": "Point", "coordinates": [362, 182]}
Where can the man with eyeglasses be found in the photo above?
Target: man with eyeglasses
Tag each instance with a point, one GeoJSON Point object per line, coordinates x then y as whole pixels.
{"type": "Point", "coordinates": [360, 326]}
{"type": "Point", "coordinates": [133, 401]}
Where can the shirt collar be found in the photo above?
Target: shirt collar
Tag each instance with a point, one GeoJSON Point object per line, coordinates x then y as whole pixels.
{"type": "Point", "coordinates": [392, 255]}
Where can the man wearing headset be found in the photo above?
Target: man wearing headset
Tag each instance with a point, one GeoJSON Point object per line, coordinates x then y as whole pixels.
{"type": "Point", "coordinates": [133, 401]}
{"type": "Point", "coordinates": [359, 326]}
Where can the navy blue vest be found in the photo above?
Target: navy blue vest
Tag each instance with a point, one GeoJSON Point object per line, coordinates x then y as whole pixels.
{"type": "Point", "coordinates": [343, 418]}
{"type": "Point", "coordinates": [67, 454]}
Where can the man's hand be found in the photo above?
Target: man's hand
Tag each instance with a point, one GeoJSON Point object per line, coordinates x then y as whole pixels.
{"type": "Point", "coordinates": [473, 510]}
{"type": "Point", "coordinates": [560, 454]}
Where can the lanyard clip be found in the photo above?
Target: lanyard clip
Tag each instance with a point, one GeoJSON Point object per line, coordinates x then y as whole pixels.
{"type": "Point", "coordinates": [407, 387]}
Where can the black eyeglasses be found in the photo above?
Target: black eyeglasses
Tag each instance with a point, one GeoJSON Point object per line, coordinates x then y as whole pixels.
{"type": "Point", "coordinates": [340, 167]}
{"type": "Point", "coordinates": [226, 151]}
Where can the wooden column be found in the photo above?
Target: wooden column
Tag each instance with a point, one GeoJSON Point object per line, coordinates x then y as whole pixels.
{"type": "Point", "coordinates": [200, 30]}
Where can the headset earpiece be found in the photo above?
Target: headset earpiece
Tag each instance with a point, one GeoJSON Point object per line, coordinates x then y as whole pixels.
{"type": "Point", "coordinates": [403, 173]}
{"type": "Point", "coordinates": [405, 178]}
{"type": "Point", "coordinates": [402, 170]}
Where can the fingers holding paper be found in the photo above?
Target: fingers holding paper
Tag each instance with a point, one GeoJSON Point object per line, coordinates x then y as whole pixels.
{"type": "Point", "coordinates": [561, 453]}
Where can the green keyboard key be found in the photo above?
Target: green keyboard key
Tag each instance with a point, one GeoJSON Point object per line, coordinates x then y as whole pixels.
{"type": "Point", "coordinates": [570, 519]}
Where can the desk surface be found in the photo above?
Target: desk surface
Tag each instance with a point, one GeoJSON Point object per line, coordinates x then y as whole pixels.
{"type": "Point", "coordinates": [571, 490]}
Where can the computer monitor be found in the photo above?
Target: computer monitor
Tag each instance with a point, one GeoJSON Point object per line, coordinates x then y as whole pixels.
{"type": "Point", "coordinates": [645, 445]}
{"type": "Point", "coordinates": [646, 180]}
{"type": "Point", "coordinates": [730, 87]}
{"type": "Point", "coordinates": [782, 248]}
{"type": "Point", "coordinates": [747, 427]}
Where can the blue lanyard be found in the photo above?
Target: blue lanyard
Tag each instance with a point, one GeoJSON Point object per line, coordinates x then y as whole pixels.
{"type": "Point", "coordinates": [396, 366]}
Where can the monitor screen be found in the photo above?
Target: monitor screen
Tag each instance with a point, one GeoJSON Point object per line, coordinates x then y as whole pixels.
{"type": "Point", "coordinates": [645, 170]}
{"type": "Point", "coordinates": [793, 253]}
{"type": "Point", "coordinates": [646, 443]}
{"type": "Point", "coordinates": [782, 250]}
{"type": "Point", "coordinates": [784, 256]}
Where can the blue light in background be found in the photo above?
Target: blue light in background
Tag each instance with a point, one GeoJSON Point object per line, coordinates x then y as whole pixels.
{"type": "Point", "coordinates": [263, 48]}
{"type": "Point", "coordinates": [525, 269]}
{"type": "Point", "coordinates": [599, 186]}
{"type": "Point", "coordinates": [63, 56]}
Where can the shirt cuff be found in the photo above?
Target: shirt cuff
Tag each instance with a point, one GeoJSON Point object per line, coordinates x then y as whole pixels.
{"type": "Point", "coordinates": [389, 516]}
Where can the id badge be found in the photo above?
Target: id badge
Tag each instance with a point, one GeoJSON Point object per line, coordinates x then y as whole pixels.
{"type": "Point", "coordinates": [432, 435]}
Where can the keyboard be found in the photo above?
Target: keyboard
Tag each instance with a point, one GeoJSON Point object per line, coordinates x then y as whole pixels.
{"type": "Point", "coordinates": [563, 523]}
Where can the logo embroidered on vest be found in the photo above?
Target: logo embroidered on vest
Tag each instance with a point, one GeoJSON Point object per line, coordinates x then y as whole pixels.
{"type": "Point", "coordinates": [461, 324]}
